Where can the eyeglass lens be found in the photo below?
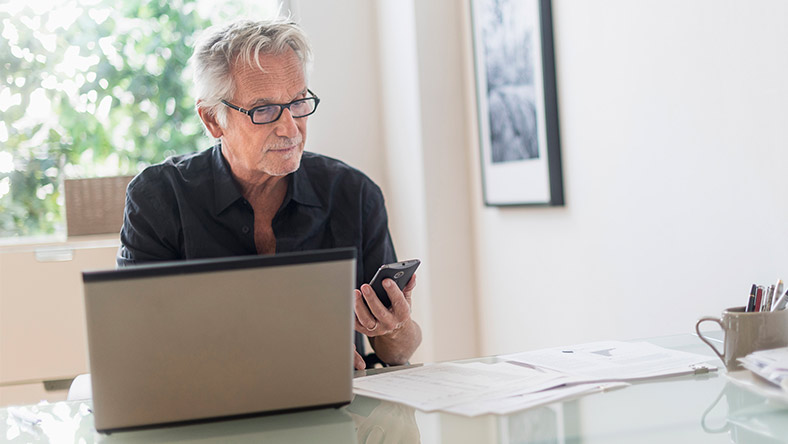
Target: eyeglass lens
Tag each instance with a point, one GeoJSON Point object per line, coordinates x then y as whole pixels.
{"type": "Point", "coordinates": [269, 113]}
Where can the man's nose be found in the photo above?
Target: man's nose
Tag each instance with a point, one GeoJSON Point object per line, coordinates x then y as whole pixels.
{"type": "Point", "coordinates": [286, 125]}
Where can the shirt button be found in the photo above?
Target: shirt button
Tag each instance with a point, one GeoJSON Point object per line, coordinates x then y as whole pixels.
{"type": "Point", "coordinates": [245, 229]}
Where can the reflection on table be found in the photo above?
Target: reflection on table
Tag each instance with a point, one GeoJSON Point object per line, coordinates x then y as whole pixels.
{"type": "Point", "coordinates": [689, 409]}
{"type": "Point", "coordinates": [749, 416]}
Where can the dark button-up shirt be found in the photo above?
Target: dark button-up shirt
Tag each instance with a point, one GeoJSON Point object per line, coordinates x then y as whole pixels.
{"type": "Point", "coordinates": [190, 207]}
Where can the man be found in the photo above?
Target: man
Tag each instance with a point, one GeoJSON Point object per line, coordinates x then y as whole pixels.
{"type": "Point", "coordinates": [256, 191]}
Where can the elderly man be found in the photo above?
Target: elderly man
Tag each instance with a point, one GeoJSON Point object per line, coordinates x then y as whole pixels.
{"type": "Point", "coordinates": [257, 191]}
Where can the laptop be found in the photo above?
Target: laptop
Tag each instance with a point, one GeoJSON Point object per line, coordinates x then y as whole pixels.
{"type": "Point", "coordinates": [188, 341]}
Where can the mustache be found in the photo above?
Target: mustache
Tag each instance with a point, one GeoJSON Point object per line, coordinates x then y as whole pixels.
{"type": "Point", "coordinates": [286, 142]}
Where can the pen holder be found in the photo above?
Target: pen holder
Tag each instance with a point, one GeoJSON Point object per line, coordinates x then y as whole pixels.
{"type": "Point", "coordinates": [746, 332]}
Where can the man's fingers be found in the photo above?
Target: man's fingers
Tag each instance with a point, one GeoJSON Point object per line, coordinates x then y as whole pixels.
{"type": "Point", "coordinates": [410, 285]}
{"type": "Point", "coordinates": [373, 318]}
{"type": "Point", "coordinates": [399, 304]}
{"type": "Point", "coordinates": [358, 361]}
{"type": "Point", "coordinates": [378, 310]}
{"type": "Point", "coordinates": [375, 331]}
{"type": "Point", "coordinates": [363, 316]}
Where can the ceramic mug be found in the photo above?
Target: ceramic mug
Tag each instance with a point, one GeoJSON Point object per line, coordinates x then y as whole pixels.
{"type": "Point", "coordinates": [746, 333]}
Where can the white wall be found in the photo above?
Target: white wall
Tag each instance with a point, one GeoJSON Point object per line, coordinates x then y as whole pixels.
{"type": "Point", "coordinates": [346, 77]}
{"type": "Point", "coordinates": [675, 146]}
{"type": "Point", "coordinates": [674, 140]}
{"type": "Point", "coordinates": [447, 185]}
{"type": "Point", "coordinates": [392, 112]}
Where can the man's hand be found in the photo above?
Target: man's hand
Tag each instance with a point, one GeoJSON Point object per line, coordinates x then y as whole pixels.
{"type": "Point", "coordinates": [373, 318]}
{"type": "Point", "coordinates": [391, 331]}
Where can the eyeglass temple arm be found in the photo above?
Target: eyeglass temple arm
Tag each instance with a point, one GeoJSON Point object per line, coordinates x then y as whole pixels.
{"type": "Point", "coordinates": [237, 108]}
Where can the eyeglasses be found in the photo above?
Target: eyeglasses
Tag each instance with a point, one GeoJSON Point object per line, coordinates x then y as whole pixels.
{"type": "Point", "coordinates": [271, 113]}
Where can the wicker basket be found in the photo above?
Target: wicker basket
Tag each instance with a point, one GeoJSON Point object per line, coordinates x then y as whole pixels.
{"type": "Point", "coordinates": [95, 206]}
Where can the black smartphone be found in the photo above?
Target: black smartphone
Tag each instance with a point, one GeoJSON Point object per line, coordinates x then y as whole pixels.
{"type": "Point", "coordinates": [400, 272]}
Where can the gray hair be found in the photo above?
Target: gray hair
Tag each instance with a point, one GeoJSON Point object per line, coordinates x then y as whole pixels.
{"type": "Point", "coordinates": [218, 48]}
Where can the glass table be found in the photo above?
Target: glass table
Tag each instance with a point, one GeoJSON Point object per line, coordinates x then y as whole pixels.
{"type": "Point", "coordinates": [710, 408]}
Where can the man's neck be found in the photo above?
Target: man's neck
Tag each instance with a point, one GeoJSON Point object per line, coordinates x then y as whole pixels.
{"type": "Point", "coordinates": [265, 193]}
{"type": "Point", "coordinates": [265, 197]}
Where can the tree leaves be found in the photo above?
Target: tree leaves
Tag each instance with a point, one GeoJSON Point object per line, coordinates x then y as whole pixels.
{"type": "Point", "coordinates": [134, 52]}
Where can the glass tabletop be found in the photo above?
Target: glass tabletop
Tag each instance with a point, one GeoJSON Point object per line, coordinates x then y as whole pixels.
{"type": "Point", "coordinates": [710, 408]}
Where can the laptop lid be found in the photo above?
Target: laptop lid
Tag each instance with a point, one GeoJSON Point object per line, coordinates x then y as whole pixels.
{"type": "Point", "coordinates": [213, 338]}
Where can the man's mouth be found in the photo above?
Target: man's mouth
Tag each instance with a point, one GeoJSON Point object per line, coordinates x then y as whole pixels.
{"type": "Point", "coordinates": [286, 145]}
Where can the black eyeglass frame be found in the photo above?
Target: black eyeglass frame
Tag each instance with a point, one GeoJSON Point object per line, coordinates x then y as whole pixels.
{"type": "Point", "coordinates": [282, 107]}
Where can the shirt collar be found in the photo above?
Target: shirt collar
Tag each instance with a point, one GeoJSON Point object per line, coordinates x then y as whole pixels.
{"type": "Point", "coordinates": [226, 191]}
{"type": "Point", "coordinates": [300, 188]}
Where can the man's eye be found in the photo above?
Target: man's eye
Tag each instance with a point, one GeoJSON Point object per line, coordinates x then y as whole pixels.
{"type": "Point", "coordinates": [265, 112]}
{"type": "Point", "coordinates": [300, 107]}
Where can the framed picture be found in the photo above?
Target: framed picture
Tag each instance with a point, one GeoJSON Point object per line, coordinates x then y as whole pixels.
{"type": "Point", "coordinates": [517, 105]}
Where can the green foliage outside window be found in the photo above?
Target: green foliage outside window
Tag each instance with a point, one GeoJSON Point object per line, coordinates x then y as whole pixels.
{"type": "Point", "coordinates": [91, 88]}
{"type": "Point", "coordinates": [105, 94]}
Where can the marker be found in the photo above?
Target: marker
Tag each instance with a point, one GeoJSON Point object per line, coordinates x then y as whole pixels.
{"type": "Point", "coordinates": [782, 302]}
{"type": "Point", "coordinates": [751, 301]}
{"type": "Point", "coordinates": [758, 298]}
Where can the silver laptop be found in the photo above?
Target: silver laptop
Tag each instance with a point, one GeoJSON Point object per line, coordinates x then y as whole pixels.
{"type": "Point", "coordinates": [215, 338]}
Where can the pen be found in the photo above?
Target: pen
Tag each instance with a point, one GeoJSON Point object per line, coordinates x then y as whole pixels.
{"type": "Point", "coordinates": [766, 304]}
{"type": "Point", "coordinates": [778, 290]}
{"type": "Point", "coordinates": [780, 304]}
{"type": "Point", "coordinates": [751, 301]}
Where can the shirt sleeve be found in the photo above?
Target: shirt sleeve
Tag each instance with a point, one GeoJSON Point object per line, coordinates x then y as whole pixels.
{"type": "Point", "coordinates": [149, 232]}
{"type": "Point", "coordinates": [377, 247]}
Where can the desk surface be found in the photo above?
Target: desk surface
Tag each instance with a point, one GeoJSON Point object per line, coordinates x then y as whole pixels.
{"type": "Point", "coordinates": [696, 409]}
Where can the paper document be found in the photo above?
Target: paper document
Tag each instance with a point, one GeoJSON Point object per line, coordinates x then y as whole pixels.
{"type": "Point", "coordinates": [529, 379]}
{"type": "Point", "coordinates": [771, 365]}
{"type": "Point", "coordinates": [438, 386]}
{"type": "Point", "coordinates": [614, 361]}
{"type": "Point", "coordinates": [511, 404]}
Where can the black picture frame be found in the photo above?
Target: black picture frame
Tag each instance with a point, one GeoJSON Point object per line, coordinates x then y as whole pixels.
{"type": "Point", "coordinates": [517, 102]}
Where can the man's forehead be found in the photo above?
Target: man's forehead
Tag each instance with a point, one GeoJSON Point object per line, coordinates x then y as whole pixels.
{"type": "Point", "coordinates": [279, 77]}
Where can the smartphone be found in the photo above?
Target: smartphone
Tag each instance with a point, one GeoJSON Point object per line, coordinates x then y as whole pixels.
{"type": "Point", "coordinates": [400, 272]}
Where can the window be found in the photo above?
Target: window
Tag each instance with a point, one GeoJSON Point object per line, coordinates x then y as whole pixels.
{"type": "Point", "coordinates": [95, 88]}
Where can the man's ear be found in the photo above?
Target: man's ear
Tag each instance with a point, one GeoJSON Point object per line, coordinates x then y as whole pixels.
{"type": "Point", "coordinates": [209, 120]}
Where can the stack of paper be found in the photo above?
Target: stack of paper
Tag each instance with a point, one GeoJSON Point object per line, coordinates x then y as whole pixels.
{"type": "Point", "coordinates": [525, 380]}
{"type": "Point", "coordinates": [771, 365]}
{"type": "Point", "coordinates": [615, 361]}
